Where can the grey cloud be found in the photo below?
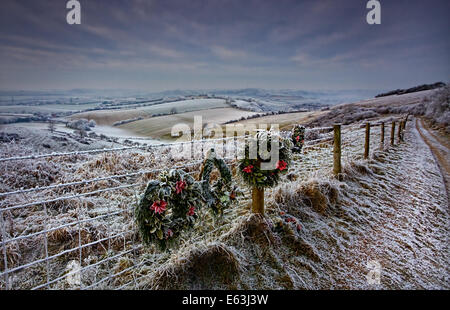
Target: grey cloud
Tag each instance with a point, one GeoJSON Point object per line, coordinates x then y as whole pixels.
{"type": "Point", "coordinates": [227, 43]}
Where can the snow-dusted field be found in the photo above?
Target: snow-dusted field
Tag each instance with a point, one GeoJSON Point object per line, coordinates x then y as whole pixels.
{"type": "Point", "coordinates": [121, 133]}
{"type": "Point", "coordinates": [109, 117]}
{"type": "Point", "coordinates": [45, 108]}
{"type": "Point", "coordinates": [160, 127]}
{"type": "Point", "coordinates": [284, 121]}
{"type": "Point", "coordinates": [110, 131]}
{"type": "Point", "coordinates": [392, 209]}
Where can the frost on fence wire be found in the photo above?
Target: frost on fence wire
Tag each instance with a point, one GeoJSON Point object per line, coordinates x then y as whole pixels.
{"type": "Point", "coordinates": [91, 243]}
{"type": "Point", "coordinates": [197, 143]}
{"type": "Point", "coordinates": [14, 274]}
{"type": "Point", "coordinates": [37, 258]}
{"type": "Point", "coordinates": [103, 233]}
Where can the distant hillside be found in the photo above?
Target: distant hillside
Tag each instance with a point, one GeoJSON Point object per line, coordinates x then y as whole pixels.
{"type": "Point", "coordinates": [412, 89]}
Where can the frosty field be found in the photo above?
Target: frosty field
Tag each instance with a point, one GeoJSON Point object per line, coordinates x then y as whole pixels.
{"type": "Point", "coordinates": [110, 117]}
{"type": "Point", "coordinates": [75, 207]}
{"type": "Point", "coordinates": [285, 121]}
{"type": "Point", "coordinates": [45, 108]}
{"type": "Point", "coordinates": [160, 127]}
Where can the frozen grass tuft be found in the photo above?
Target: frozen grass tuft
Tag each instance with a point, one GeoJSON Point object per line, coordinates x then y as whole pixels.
{"type": "Point", "coordinates": [253, 228]}
{"type": "Point", "coordinates": [198, 267]}
{"type": "Point", "coordinates": [317, 194]}
{"type": "Point", "coordinates": [354, 169]}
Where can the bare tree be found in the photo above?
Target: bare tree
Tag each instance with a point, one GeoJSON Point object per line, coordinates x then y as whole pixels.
{"type": "Point", "coordinates": [51, 125]}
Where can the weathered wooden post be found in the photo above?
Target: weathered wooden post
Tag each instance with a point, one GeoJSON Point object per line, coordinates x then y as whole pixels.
{"type": "Point", "coordinates": [337, 169]}
{"type": "Point", "coordinates": [404, 126]}
{"type": "Point", "coordinates": [382, 136]}
{"type": "Point", "coordinates": [367, 144]}
{"type": "Point", "coordinates": [258, 198]}
{"type": "Point", "coordinates": [392, 133]}
{"type": "Point", "coordinates": [404, 129]}
{"type": "Point", "coordinates": [402, 136]}
{"type": "Point", "coordinates": [399, 131]}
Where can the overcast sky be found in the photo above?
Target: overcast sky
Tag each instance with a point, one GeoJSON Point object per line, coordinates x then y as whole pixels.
{"type": "Point", "coordinates": [189, 44]}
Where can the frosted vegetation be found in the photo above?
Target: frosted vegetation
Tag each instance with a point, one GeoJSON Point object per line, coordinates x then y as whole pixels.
{"type": "Point", "coordinates": [82, 124]}
{"type": "Point", "coordinates": [318, 233]}
{"type": "Point", "coordinates": [433, 104]}
{"type": "Point", "coordinates": [239, 251]}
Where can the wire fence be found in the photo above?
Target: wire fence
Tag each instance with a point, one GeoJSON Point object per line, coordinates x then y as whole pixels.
{"type": "Point", "coordinates": [81, 234]}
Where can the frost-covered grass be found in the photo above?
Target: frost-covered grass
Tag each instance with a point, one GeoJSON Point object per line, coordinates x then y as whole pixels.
{"type": "Point", "coordinates": [107, 217]}
{"type": "Point", "coordinates": [107, 226]}
{"type": "Point", "coordinates": [342, 226]}
{"type": "Point", "coordinates": [412, 103]}
{"type": "Point", "coordinates": [435, 107]}
{"type": "Point", "coordinates": [318, 232]}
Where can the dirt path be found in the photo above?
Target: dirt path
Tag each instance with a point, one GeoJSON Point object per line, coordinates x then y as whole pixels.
{"type": "Point", "coordinates": [440, 150]}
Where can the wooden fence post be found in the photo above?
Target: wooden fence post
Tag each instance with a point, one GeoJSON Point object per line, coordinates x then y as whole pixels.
{"type": "Point", "coordinates": [399, 131]}
{"type": "Point", "coordinates": [404, 126]}
{"type": "Point", "coordinates": [404, 129]}
{"type": "Point", "coordinates": [258, 198]}
{"type": "Point", "coordinates": [402, 136]}
{"type": "Point", "coordinates": [392, 133]}
{"type": "Point", "coordinates": [367, 144]}
{"type": "Point", "coordinates": [337, 169]}
{"type": "Point", "coordinates": [382, 136]}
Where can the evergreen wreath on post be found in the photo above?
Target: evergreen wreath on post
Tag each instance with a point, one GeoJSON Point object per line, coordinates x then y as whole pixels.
{"type": "Point", "coordinates": [222, 193]}
{"type": "Point", "coordinates": [249, 169]}
{"type": "Point", "coordinates": [298, 138]}
{"type": "Point", "coordinates": [168, 207]}
{"type": "Point", "coordinates": [251, 172]}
